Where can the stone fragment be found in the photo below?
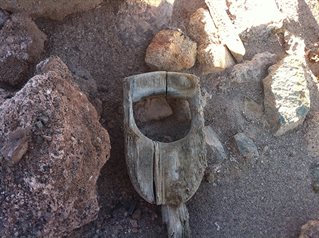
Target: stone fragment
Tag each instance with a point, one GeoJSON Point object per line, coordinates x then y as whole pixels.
{"type": "Point", "coordinates": [16, 146]}
{"type": "Point", "coordinates": [171, 50]}
{"type": "Point", "coordinates": [312, 135]}
{"type": "Point", "coordinates": [152, 108]}
{"type": "Point", "coordinates": [214, 58]}
{"type": "Point", "coordinates": [310, 229]}
{"type": "Point", "coordinates": [246, 146]}
{"type": "Point", "coordinates": [52, 190]}
{"type": "Point", "coordinates": [55, 10]}
{"type": "Point", "coordinates": [201, 27]}
{"type": "Point", "coordinates": [212, 55]}
{"type": "Point", "coordinates": [253, 70]}
{"type": "Point", "coordinates": [216, 154]}
{"type": "Point", "coordinates": [226, 30]}
{"type": "Point", "coordinates": [286, 95]}
{"type": "Point", "coordinates": [21, 43]}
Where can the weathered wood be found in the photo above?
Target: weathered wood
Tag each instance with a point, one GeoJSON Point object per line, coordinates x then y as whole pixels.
{"type": "Point", "coordinates": [177, 221]}
{"type": "Point", "coordinates": [226, 29]}
{"type": "Point", "coordinates": [167, 174]}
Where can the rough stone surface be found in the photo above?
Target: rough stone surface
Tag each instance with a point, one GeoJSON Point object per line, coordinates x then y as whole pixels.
{"type": "Point", "coordinates": [246, 146]}
{"type": "Point", "coordinates": [3, 17]}
{"type": "Point", "coordinates": [314, 172]}
{"type": "Point", "coordinates": [253, 70]}
{"type": "Point", "coordinates": [287, 100]}
{"type": "Point", "coordinates": [310, 229]}
{"type": "Point", "coordinates": [312, 58]}
{"type": "Point", "coordinates": [201, 27]}
{"type": "Point", "coordinates": [214, 58]}
{"type": "Point", "coordinates": [4, 95]}
{"type": "Point", "coordinates": [252, 110]}
{"type": "Point", "coordinates": [171, 50]}
{"type": "Point", "coordinates": [215, 153]}
{"type": "Point", "coordinates": [53, 148]}
{"type": "Point", "coordinates": [212, 55]}
{"type": "Point", "coordinates": [152, 108]}
{"type": "Point", "coordinates": [55, 10]}
{"type": "Point", "coordinates": [21, 43]}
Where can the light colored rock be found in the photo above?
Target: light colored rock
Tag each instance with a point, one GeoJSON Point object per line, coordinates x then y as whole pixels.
{"type": "Point", "coordinates": [253, 70]}
{"type": "Point", "coordinates": [52, 150]}
{"type": "Point", "coordinates": [214, 58]}
{"type": "Point", "coordinates": [152, 108]}
{"type": "Point", "coordinates": [212, 55]}
{"type": "Point", "coordinates": [21, 43]}
{"type": "Point", "coordinates": [286, 95]}
{"type": "Point", "coordinates": [246, 146]}
{"type": "Point", "coordinates": [171, 50]}
{"type": "Point", "coordinates": [216, 154]}
{"type": "Point", "coordinates": [55, 10]}
{"type": "Point", "coordinates": [214, 144]}
{"type": "Point", "coordinates": [201, 27]}
{"type": "Point", "coordinates": [310, 229]}
{"type": "Point", "coordinates": [228, 34]}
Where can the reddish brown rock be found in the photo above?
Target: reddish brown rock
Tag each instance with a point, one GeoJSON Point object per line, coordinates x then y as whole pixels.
{"type": "Point", "coordinates": [21, 43]}
{"type": "Point", "coordinates": [171, 50]}
{"type": "Point", "coordinates": [52, 132]}
{"type": "Point", "coordinates": [310, 229]}
{"type": "Point", "coordinates": [55, 10]}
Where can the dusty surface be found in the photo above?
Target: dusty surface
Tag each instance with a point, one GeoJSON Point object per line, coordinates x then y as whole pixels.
{"type": "Point", "coordinates": [271, 197]}
{"type": "Point", "coordinates": [49, 167]}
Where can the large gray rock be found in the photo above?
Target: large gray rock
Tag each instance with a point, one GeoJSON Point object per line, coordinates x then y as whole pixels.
{"type": "Point", "coordinates": [254, 69]}
{"type": "Point", "coordinates": [171, 50]}
{"type": "Point", "coordinates": [287, 100]}
{"type": "Point", "coordinates": [53, 9]}
{"type": "Point", "coordinates": [21, 43]}
{"type": "Point", "coordinates": [52, 149]}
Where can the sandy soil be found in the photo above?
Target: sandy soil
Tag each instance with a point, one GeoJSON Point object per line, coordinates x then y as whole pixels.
{"type": "Point", "coordinates": [268, 198]}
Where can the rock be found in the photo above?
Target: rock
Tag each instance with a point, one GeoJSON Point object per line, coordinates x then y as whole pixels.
{"type": "Point", "coordinates": [180, 108]}
{"type": "Point", "coordinates": [310, 229]}
{"type": "Point", "coordinates": [21, 43]}
{"type": "Point", "coordinates": [212, 55]}
{"type": "Point", "coordinates": [55, 10]}
{"type": "Point", "coordinates": [171, 50]}
{"type": "Point", "coordinates": [216, 154]}
{"type": "Point", "coordinates": [246, 146]}
{"type": "Point", "coordinates": [3, 17]}
{"type": "Point", "coordinates": [201, 27]}
{"type": "Point", "coordinates": [16, 146]}
{"type": "Point", "coordinates": [214, 58]}
{"type": "Point", "coordinates": [214, 145]}
{"type": "Point", "coordinates": [152, 108]}
{"type": "Point", "coordinates": [253, 70]}
{"type": "Point", "coordinates": [227, 33]}
{"type": "Point", "coordinates": [287, 100]}
{"type": "Point", "coordinates": [52, 190]}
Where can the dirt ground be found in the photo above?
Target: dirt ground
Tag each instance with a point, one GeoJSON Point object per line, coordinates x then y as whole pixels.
{"type": "Point", "coordinates": [271, 197]}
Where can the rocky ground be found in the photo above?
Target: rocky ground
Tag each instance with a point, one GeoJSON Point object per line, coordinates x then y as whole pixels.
{"type": "Point", "coordinates": [266, 188]}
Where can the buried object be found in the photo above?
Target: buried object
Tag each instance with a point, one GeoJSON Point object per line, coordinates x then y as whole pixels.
{"type": "Point", "coordinates": [166, 174]}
